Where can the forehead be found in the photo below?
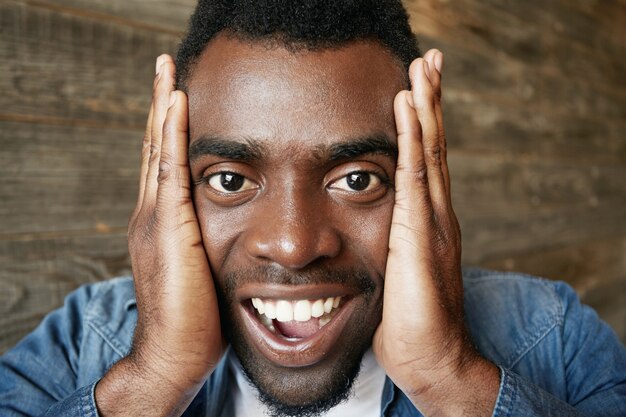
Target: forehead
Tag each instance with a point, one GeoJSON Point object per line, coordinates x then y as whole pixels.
{"type": "Point", "coordinates": [246, 90]}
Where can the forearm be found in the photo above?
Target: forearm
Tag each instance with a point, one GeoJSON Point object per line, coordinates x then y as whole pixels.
{"type": "Point", "coordinates": [128, 390]}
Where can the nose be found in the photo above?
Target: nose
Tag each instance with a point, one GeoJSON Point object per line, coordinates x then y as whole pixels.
{"type": "Point", "coordinates": [293, 232]}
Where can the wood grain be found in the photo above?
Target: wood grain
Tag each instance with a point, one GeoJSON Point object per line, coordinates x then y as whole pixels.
{"type": "Point", "coordinates": [76, 93]}
{"type": "Point", "coordinates": [76, 69]}
{"type": "Point", "coordinates": [531, 79]}
{"type": "Point", "coordinates": [525, 133]}
{"type": "Point", "coordinates": [61, 178]}
{"type": "Point", "coordinates": [168, 16]}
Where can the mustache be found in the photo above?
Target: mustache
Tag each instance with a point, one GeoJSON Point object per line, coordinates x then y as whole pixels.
{"type": "Point", "coordinates": [357, 279]}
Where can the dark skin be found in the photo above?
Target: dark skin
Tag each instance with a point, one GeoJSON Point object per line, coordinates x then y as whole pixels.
{"type": "Point", "coordinates": [296, 213]}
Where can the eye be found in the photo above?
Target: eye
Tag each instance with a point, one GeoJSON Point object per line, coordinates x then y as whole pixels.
{"type": "Point", "coordinates": [357, 181]}
{"type": "Point", "coordinates": [229, 182]}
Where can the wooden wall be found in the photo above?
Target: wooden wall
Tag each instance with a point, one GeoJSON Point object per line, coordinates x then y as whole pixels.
{"type": "Point", "coordinates": [535, 113]}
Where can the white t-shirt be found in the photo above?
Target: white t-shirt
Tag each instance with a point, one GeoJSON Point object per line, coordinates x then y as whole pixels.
{"type": "Point", "coordinates": [365, 399]}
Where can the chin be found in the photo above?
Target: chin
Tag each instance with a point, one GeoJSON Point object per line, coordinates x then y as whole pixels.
{"type": "Point", "coordinates": [307, 391]}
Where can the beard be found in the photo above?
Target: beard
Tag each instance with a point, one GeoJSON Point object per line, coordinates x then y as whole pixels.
{"type": "Point", "coordinates": [309, 390]}
{"type": "Point", "coordinates": [337, 390]}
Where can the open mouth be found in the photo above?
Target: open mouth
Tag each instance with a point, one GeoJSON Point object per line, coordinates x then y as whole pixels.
{"type": "Point", "coordinates": [296, 319]}
{"type": "Point", "coordinates": [295, 326]}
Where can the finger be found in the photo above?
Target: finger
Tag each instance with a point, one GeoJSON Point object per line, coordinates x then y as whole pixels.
{"type": "Point", "coordinates": [174, 179]}
{"type": "Point", "coordinates": [145, 156]}
{"type": "Point", "coordinates": [435, 63]}
{"type": "Point", "coordinates": [428, 57]}
{"type": "Point", "coordinates": [161, 98]}
{"type": "Point", "coordinates": [411, 229]}
{"type": "Point", "coordinates": [424, 102]}
{"type": "Point", "coordinates": [411, 177]}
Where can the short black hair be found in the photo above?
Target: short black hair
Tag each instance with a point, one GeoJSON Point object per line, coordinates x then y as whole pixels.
{"type": "Point", "coordinates": [298, 24]}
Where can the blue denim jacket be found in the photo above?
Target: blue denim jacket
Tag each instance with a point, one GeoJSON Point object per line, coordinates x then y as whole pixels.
{"type": "Point", "coordinates": [556, 357]}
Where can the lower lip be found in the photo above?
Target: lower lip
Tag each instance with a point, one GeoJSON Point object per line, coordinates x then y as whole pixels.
{"type": "Point", "coordinates": [294, 353]}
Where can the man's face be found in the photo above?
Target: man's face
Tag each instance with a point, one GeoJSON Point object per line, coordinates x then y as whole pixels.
{"type": "Point", "coordinates": [293, 155]}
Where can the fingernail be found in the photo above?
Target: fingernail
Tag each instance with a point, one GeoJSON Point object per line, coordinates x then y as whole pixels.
{"type": "Point", "coordinates": [172, 98]}
{"type": "Point", "coordinates": [439, 61]}
{"type": "Point", "coordinates": [159, 62]}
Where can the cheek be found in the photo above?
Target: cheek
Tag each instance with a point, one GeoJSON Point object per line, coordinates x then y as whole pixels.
{"type": "Point", "coordinates": [220, 229]}
{"type": "Point", "coordinates": [369, 234]}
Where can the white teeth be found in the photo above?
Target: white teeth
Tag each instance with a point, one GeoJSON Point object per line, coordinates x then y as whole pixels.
{"type": "Point", "coordinates": [298, 310]}
{"type": "Point", "coordinates": [317, 309]}
{"type": "Point", "coordinates": [328, 305]}
{"type": "Point", "coordinates": [284, 311]}
{"type": "Point", "coordinates": [259, 305]}
{"type": "Point", "coordinates": [302, 310]}
{"type": "Point", "coordinates": [270, 310]}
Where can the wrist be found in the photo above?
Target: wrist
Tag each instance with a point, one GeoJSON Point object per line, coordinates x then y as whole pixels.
{"type": "Point", "coordinates": [467, 387]}
{"type": "Point", "coordinates": [131, 389]}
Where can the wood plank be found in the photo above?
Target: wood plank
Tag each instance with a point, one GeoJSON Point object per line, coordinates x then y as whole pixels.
{"type": "Point", "coordinates": [160, 15]}
{"type": "Point", "coordinates": [35, 276]}
{"type": "Point", "coordinates": [508, 78]}
{"type": "Point", "coordinates": [36, 151]}
{"type": "Point", "coordinates": [65, 204]}
{"type": "Point", "coordinates": [478, 124]}
{"type": "Point", "coordinates": [62, 178]}
{"type": "Point", "coordinates": [488, 182]}
{"type": "Point", "coordinates": [499, 233]}
{"type": "Point", "coordinates": [507, 204]}
{"type": "Point", "coordinates": [580, 22]}
{"type": "Point", "coordinates": [524, 30]}
{"type": "Point", "coordinates": [69, 67]}
{"type": "Point", "coordinates": [498, 58]}
{"type": "Point", "coordinates": [570, 87]}
{"type": "Point", "coordinates": [87, 178]}
{"type": "Point", "coordinates": [585, 266]}
{"type": "Point", "coordinates": [491, 103]}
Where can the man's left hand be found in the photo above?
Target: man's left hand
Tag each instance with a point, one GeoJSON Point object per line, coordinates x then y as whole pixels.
{"type": "Point", "coordinates": [422, 342]}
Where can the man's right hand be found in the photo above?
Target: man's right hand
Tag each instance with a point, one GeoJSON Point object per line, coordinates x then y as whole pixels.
{"type": "Point", "coordinates": [178, 339]}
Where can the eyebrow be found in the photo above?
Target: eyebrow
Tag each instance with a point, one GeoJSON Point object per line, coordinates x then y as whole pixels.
{"type": "Point", "coordinates": [376, 144]}
{"type": "Point", "coordinates": [240, 150]}
{"type": "Point", "coordinates": [251, 150]}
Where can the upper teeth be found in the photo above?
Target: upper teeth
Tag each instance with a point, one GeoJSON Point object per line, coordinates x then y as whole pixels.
{"type": "Point", "coordinates": [298, 310]}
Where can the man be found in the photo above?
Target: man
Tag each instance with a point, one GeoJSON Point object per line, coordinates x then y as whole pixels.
{"type": "Point", "coordinates": [294, 226]}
